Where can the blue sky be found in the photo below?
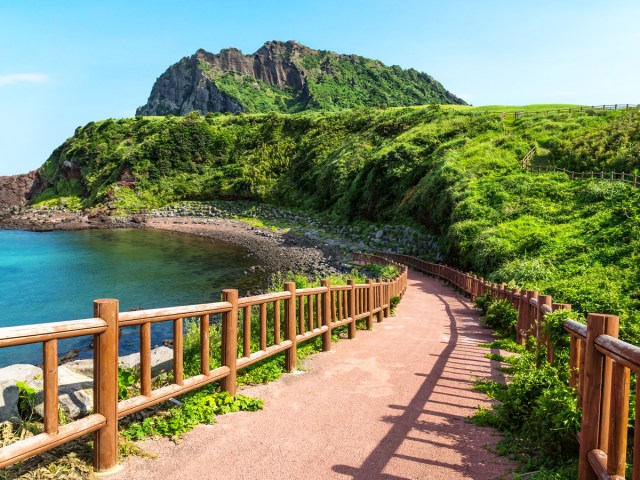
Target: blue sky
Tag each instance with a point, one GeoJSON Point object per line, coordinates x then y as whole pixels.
{"type": "Point", "coordinates": [65, 63]}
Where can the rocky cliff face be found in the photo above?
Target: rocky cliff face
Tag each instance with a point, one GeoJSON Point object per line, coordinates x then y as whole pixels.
{"type": "Point", "coordinates": [289, 77]}
{"type": "Point", "coordinates": [18, 189]}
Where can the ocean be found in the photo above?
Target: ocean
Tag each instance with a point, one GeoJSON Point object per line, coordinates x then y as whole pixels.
{"type": "Point", "coordinates": [54, 276]}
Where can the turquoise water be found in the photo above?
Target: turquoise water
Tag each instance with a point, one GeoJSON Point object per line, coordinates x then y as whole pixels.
{"type": "Point", "coordinates": [54, 276]}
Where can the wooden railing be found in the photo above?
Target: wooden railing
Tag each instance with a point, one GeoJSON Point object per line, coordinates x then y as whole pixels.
{"type": "Point", "coordinates": [617, 106]}
{"type": "Point", "coordinates": [285, 319]}
{"type": "Point", "coordinates": [600, 367]}
{"type": "Point", "coordinates": [630, 178]}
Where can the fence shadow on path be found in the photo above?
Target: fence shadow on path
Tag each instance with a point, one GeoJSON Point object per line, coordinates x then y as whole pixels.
{"type": "Point", "coordinates": [435, 418]}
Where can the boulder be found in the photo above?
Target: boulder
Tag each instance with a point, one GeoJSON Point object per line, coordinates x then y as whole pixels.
{"type": "Point", "coordinates": [9, 376]}
{"type": "Point", "coordinates": [83, 366]}
{"type": "Point", "coordinates": [75, 393]}
{"type": "Point", "coordinates": [161, 359]}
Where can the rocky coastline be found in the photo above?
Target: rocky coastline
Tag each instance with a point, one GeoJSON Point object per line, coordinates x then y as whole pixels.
{"type": "Point", "coordinates": [278, 240]}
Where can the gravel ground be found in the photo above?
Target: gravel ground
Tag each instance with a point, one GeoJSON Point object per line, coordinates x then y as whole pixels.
{"type": "Point", "coordinates": [274, 251]}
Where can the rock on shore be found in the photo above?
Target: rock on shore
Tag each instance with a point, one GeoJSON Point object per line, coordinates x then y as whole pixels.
{"type": "Point", "coordinates": [75, 383]}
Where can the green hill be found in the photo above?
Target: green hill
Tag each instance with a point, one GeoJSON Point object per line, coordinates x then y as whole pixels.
{"type": "Point", "coordinates": [287, 77]}
{"type": "Point", "coordinates": [457, 173]}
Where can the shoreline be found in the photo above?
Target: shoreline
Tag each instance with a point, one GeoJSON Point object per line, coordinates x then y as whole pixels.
{"type": "Point", "coordinates": [273, 251]}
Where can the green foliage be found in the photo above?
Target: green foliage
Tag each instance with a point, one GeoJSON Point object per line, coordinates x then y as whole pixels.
{"type": "Point", "coordinates": [481, 302]}
{"type": "Point", "coordinates": [453, 170]}
{"type": "Point", "coordinates": [26, 399]}
{"type": "Point", "coordinates": [506, 344]}
{"type": "Point", "coordinates": [394, 304]}
{"type": "Point", "coordinates": [502, 317]}
{"type": "Point", "coordinates": [385, 272]}
{"type": "Point", "coordinates": [126, 380]}
{"type": "Point", "coordinates": [552, 329]}
{"type": "Point", "coordinates": [537, 410]}
{"type": "Point", "coordinates": [200, 407]}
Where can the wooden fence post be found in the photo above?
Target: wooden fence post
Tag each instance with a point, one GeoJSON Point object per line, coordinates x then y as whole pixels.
{"type": "Point", "coordinates": [105, 391]}
{"type": "Point", "coordinates": [619, 420]}
{"type": "Point", "coordinates": [291, 355]}
{"type": "Point", "coordinates": [386, 299]}
{"type": "Point", "coordinates": [370, 304]}
{"type": "Point", "coordinates": [380, 301]}
{"type": "Point", "coordinates": [532, 312]}
{"type": "Point", "coordinates": [523, 309]}
{"type": "Point", "coordinates": [230, 340]}
{"type": "Point", "coordinates": [543, 338]}
{"type": "Point", "coordinates": [515, 301]}
{"type": "Point", "coordinates": [352, 308]}
{"type": "Point", "coordinates": [596, 393]}
{"type": "Point", "coordinates": [326, 315]}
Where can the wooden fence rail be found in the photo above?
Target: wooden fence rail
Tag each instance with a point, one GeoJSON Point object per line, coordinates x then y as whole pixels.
{"type": "Point", "coordinates": [284, 319]}
{"type": "Point", "coordinates": [600, 363]}
{"type": "Point", "coordinates": [600, 368]}
{"type": "Point", "coordinates": [617, 106]}
{"type": "Point", "coordinates": [622, 177]}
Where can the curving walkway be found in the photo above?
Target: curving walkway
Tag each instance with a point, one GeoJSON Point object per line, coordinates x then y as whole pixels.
{"type": "Point", "coordinates": [390, 404]}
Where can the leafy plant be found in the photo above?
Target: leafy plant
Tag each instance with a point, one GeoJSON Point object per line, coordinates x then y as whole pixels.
{"type": "Point", "coordinates": [26, 399]}
{"type": "Point", "coordinates": [502, 317]}
{"type": "Point", "coordinates": [481, 302]}
{"type": "Point", "coordinates": [126, 380]}
{"type": "Point", "coordinates": [200, 407]}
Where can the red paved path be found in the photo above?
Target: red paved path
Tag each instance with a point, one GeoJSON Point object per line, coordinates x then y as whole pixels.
{"type": "Point", "coordinates": [390, 404]}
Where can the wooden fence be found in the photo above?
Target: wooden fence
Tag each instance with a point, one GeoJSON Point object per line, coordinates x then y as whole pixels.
{"type": "Point", "coordinates": [600, 369]}
{"type": "Point", "coordinates": [600, 363]}
{"type": "Point", "coordinates": [294, 316]}
{"type": "Point", "coordinates": [611, 177]}
{"type": "Point", "coordinates": [617, 106]}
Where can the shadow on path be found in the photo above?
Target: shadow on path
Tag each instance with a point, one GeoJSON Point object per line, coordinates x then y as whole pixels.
{"type": "Point", "coordinates": [421, 418]}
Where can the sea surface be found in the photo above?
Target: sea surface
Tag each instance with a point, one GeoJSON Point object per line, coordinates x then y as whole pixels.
{"type": "Point", "coordinates": [55, 276]}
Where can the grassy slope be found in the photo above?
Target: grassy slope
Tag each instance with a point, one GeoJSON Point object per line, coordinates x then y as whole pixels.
{"type": "Point", "coordinates": [455, 172]}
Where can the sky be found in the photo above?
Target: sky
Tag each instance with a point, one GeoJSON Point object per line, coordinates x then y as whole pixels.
{"type": "Point", "coordinates": [65, 63]}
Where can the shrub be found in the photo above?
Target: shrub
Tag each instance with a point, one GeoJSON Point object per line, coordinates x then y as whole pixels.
{"type": "Point", "coordinates": [536, 409]}
{"type": "Point", "coordinates": [481, 302]}
{"type": "Point", "coordinates": [502, 317]}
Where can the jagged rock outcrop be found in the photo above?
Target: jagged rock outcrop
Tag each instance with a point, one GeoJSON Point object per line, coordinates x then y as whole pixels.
{"type": "Point", "coordinates": [19, 189]}
{"type": "Point", "coordinates": [287, 77]}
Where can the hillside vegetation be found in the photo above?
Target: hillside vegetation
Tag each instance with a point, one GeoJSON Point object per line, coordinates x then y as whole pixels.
{"type": "Point", "coordinates": [455, 172]}
{"type": "Point", "coordinates": [287, 77]}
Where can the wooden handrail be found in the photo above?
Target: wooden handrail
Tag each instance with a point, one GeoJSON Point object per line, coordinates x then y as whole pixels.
{"type": "Point", "coordinates": [27, 334]}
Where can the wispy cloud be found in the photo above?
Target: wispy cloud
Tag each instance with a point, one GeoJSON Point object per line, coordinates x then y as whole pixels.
{"type": "Point", "coordinates": [22, 78]}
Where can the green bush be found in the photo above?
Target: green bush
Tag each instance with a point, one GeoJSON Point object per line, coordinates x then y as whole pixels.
{"type": "Point", "coordinates": [502, 317]}
{"type": "Point", "coordinates": [537, 410]}
{"type": "Point", "coordinates": [481, 302]}
{"type": "Point", "coordinates": [195, 408]}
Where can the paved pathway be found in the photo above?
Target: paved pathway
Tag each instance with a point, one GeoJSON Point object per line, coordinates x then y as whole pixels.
{"type": "Point", "coordinates": [390, 404]}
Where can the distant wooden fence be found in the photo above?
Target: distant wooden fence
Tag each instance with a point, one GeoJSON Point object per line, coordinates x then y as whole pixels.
{"type": "Point", "coordinates": [600, 368]}
{"type": "Point", "coordinates": [630, 178]}
{"type": "Point", "coordinates": [295, 316]}
{"type": "Point", "coordinates": [617, 106]}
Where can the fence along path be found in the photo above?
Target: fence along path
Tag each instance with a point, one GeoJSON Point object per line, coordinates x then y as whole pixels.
{"type": "Point", "coordinates": [595, 108]}
{"type": "Point", "coordinates": [622, 177]}
{"type": "Point", "coordinates": [286, 319]}
{"type": "Point", "coordinates": [390, 405]}
{"type": "Point", "coordinates": [600, 364]}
